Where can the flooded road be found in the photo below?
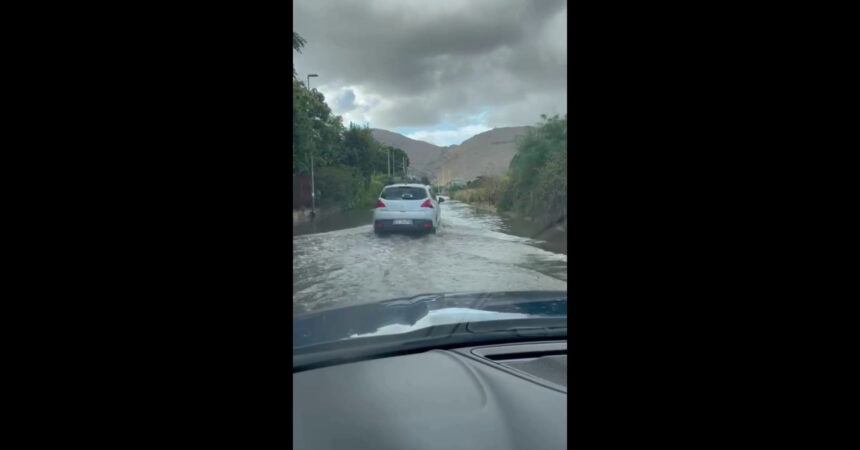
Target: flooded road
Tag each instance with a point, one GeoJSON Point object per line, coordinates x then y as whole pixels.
{"type": "Point", "coordinates": [472, 252]}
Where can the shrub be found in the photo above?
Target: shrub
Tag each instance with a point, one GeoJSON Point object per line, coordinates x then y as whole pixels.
{"type": "Point", "coordinates": [371, 193]}
{"type": "Point", "coordinates": [338, 186]}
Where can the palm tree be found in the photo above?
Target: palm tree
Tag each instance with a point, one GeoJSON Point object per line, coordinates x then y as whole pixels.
{"type": "Point", "coordinates": [298, 43]}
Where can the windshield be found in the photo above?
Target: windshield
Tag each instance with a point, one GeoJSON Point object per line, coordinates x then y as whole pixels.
{"type": "Point", "coordinates": [404, 193]}
{"type": "Point", "coordinates": [429, 151]}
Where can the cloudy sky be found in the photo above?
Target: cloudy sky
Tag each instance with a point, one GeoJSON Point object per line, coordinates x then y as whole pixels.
{"type": "Point", "coordinates": [436, 70]}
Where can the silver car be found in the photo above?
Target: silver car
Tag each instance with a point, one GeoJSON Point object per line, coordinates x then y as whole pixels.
{"type": "Point", "coordinates": [407, 207]}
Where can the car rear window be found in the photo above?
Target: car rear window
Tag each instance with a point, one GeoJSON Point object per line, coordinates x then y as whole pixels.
{"type": "Point", "coordinates": [404, 193]}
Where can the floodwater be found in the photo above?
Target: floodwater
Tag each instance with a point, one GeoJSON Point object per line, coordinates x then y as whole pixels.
{"type": "Point", "coordinates": [339, 261]}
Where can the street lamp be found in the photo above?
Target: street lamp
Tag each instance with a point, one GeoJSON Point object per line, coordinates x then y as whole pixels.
{"type": "Point", "coordinates": [309, 79]}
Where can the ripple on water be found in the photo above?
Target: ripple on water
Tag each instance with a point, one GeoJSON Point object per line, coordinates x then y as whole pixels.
{"type": "Point", "coordinates": [470, 254]}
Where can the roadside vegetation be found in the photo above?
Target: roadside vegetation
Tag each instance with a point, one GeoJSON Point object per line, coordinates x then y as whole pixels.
{"type": "Point", "coordinates": [535, 186]}
{"type": "Point", "coordinates": [350, 166]}
{"type": "Point", "coordinates": [484, 192]}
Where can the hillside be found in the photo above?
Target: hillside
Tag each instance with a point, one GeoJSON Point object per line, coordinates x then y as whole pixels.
{"type": "Point", "coordinates": [424, 158]}
{"type": "Point", "coordinates": [488, 153]}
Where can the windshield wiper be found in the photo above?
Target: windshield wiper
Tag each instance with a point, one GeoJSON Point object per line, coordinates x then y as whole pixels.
{"type": "Point", "coordinates": [434, 337]}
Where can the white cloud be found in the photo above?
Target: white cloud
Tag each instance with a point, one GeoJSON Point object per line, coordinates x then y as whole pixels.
{"type": "Point", "coordinates": [346, 100]}
{"type": "Point", "coordinates": [359, 109]}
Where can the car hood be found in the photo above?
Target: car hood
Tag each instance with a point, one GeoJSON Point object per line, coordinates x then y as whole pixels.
{"type": "Point", "coordinates": [403, 315]}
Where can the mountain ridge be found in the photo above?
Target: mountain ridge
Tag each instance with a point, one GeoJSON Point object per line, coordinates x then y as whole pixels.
{"type": "Point", "coordinates": [486, 153]}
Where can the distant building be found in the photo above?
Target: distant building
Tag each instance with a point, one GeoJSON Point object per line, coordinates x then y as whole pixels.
{"type": "Point", "coordinates": [454, 183]}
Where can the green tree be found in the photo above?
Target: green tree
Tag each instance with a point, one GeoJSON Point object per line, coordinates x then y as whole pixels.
{"type": "Point", "coordinates": [338, 186]}
{"type": "Point", "coordinates": [358, 150]}
{"type": "Point", "coordinates": [538, 172]}
{"type": "Point", "coordinates": [315, 130]}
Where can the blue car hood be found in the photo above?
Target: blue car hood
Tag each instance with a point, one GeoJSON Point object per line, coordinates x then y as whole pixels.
{"type": "Point", "coordinates": [403, 315]}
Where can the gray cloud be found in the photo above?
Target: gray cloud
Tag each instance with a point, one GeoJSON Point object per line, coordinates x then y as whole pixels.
{"type": "Point", "coordinates": [345, 101]}
{"type": "Point", "coordinates": [418, 63]}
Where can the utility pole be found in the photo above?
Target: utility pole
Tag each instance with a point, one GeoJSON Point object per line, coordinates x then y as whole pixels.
{"type": "Point", "coordinates": [313, 189]}
{"type": "Point", "coordinates": [389, 162]}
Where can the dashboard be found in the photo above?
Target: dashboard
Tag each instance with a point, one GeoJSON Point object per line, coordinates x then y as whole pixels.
{"type": "Point", "coordinates": [510, 396]}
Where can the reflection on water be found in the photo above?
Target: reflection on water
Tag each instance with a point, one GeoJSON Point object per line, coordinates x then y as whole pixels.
{"type": "Point", "coordinates": [343, 262]}
{"type": "Point", "coordinates": [335, 221]}
{"type": "Point", "coordinates": [550, 238]}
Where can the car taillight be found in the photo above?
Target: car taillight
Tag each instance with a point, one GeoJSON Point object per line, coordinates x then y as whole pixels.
{"type": "Point", "coordinates": [379, 204]}
{"type": "Point", "coordinates": [427, 204]}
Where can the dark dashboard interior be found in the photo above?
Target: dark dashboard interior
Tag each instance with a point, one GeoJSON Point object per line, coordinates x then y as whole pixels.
{"type": "Point", "coordinates": [509, 396]}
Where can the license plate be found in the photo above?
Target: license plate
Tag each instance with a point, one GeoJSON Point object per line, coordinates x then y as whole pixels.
{"type": "Point", "coordinates": [402, 222]}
